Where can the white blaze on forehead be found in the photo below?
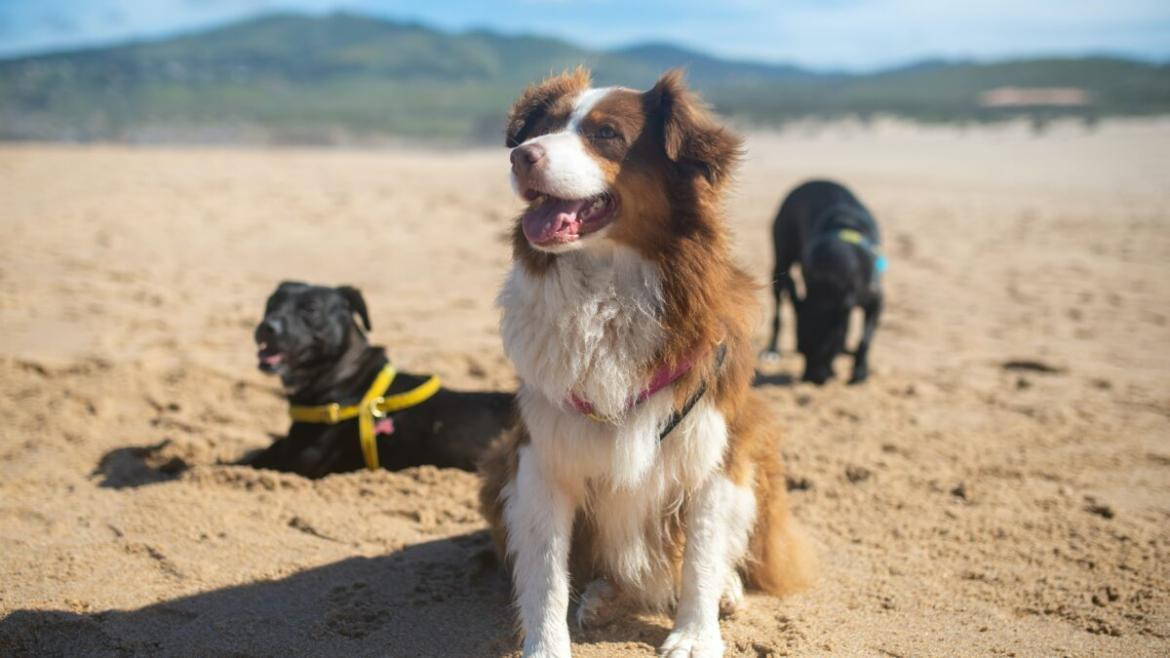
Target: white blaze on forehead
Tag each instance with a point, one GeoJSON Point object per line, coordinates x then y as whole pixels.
{"type": "Point", "coordinates": [569, 171]}
{"type": "Point", "coordinates": [585, 103]}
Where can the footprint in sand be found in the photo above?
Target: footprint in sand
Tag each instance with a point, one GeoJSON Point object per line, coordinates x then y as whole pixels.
{"type": "Point", "coordinates": [352, 612]}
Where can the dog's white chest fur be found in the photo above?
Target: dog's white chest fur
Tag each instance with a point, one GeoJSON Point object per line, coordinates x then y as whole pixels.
{"type": "Point", "coordinates": [589, 326]}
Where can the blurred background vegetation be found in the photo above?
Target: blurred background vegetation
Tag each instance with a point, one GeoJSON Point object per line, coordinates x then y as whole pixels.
{"type": "Point", "coordinates": [346, 78]}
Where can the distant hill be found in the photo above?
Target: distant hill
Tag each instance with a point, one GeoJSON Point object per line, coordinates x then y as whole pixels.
{"type": "Point", "coordinates": [346, 77]}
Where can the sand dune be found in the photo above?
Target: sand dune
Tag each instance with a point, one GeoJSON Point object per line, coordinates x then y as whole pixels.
{"type": "Point", "coordinates": [1001, 486]}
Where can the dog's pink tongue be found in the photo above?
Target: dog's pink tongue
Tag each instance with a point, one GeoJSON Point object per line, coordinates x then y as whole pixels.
{"type": "Point", "coordinates": [550, 219]}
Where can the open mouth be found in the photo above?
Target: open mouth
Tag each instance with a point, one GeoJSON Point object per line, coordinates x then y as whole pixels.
{"type": "Point", "coordinates": [550, 221]}
{"type": "Point", "coordinates": [268, 357]}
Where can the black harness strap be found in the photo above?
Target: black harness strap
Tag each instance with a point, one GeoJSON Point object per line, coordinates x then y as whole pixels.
{"type": "Point", "coordinates": [678, 416]}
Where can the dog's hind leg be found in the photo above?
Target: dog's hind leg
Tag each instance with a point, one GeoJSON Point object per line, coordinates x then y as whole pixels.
{"type": "Point", "coordinates": [599, 604]}
{"type": "Point", "coordinates": [719, 520]}
{"type": "Point", "coordinates": [732, 594]}
{"type": "Point", "coordinates": [873, 311]}
{"type": "Point", "coordinates": [781, 283]}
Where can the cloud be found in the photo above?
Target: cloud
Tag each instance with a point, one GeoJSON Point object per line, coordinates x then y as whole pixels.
{"type": "Point", "coordinates": [59, 23]}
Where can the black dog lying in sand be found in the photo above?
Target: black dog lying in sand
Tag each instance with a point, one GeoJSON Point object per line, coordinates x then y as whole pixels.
{"type": "Point", "coordinates": [825, 229]}
{"type": "Point", "coordinates": [350, 408]}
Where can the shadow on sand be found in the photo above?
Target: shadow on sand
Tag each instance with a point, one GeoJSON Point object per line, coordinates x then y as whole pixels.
{"type": "Point", "coordinates": [141, 465]}
{"type": "Point", "coordinates": [135, 466]}
{"type": "Point", "coordinates": [439, 598]}
{"type": "Point", "coordinates": [773, 379]}
{"type": "Point", "coordinates": [445, 597]}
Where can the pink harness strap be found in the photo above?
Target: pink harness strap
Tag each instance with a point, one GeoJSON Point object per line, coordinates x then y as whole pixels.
{"type": "Point", "coordinates": [661, 379]}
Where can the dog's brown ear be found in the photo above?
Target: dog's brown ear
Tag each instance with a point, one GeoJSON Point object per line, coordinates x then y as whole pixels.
{"type": "Point", "coordinates": [690, 136]}
{"type": "Point", "coordinates": [357, 303]}
{"type": "Point", "coordinates": [535, 102]}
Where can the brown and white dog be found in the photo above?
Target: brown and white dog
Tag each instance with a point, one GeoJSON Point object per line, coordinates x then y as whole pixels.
{"type": "Point", "coordinates": [643, 459]}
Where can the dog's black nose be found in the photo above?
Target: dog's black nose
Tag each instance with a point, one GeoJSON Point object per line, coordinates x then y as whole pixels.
{"type": "Point", "coordinates": [267, 330]}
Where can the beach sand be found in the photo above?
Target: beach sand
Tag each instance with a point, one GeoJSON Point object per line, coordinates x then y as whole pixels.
{"type": "Point", "coordinates": [1000, 486]}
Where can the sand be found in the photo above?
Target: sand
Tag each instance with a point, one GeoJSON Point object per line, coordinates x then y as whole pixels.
{"type": "Point", "coordinates": [961, 504]}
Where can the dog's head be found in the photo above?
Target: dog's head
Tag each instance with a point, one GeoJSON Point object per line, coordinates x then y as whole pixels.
{"type": "Point", "coordinates": [820, 333]}
{"type": "Point", "coordinates": [307, 327]}
{"type": "Point", "coordinates": [613, 163]}
{"type": "Point", "coordinates": [822, 320]}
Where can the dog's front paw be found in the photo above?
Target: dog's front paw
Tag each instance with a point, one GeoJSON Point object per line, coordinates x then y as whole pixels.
{"type": "Point", "coordinates": [859, 375]}
{"type": "Point", "coordinates": [546, 650]}
{"type": "Point", "coordinates": [692, 643]}
{"type": "Point", "coordinates": [546, 653]}
{"type": "Point", "coordinates": [543, 652]}
{"type": "Point", "coordinates": [552, 643]}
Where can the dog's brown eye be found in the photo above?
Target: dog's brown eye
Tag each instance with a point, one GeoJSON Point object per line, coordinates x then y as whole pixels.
{"type": "Point", "coordinates": [605, 132]}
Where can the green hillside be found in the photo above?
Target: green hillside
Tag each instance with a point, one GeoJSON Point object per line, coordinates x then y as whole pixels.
{"type": "Point", "coordinates": [297, 78]}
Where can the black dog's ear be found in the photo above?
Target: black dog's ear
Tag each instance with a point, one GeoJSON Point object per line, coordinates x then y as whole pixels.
{"type": "Point", "coordinates": [357, 303]}
{"type": "Point", "coordinates": [690, 137]}
{"type": "Point", "coordinates": [535, 102]}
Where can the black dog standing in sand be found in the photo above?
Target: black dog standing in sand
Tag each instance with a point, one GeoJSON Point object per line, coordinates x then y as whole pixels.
{"type": "Point", "coordinates": [835, 239]}
{"type": "Point", "coordinates": [350, 407]}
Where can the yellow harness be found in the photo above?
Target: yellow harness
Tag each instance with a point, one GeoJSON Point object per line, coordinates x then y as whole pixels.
{"type": "Point", "coordinates": [374, 404]}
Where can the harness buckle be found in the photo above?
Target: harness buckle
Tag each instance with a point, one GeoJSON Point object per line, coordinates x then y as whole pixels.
{"type": "Point", "coordinates": [333, 413]}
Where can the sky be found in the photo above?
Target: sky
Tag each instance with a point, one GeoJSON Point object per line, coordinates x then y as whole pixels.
{"type": "Point", "coordinates": [855, 35]}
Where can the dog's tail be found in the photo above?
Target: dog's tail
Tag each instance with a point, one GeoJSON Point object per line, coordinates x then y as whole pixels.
{"type": "Point", "coordinates": [785, 563]}
{"type": "Point", "coordinates": [781, 559]}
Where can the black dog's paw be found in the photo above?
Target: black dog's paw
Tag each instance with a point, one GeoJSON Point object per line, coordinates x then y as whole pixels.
{"type": "Point", "coordinates": [818, 377]}
{"type": "Point", "coordinates": [859, 376]}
